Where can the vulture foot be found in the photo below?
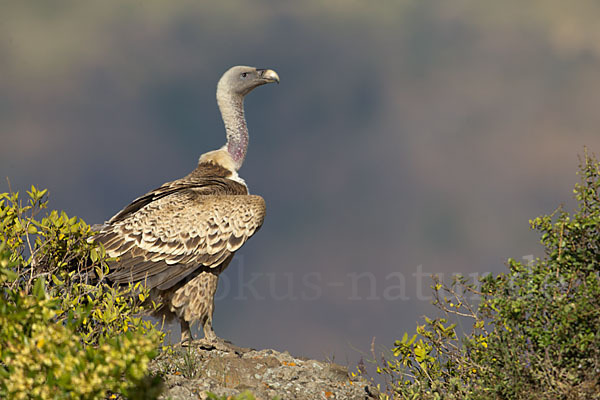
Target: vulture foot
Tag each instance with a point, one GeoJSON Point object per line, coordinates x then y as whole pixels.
{"type": "Point", "coordinates": [221, 345]}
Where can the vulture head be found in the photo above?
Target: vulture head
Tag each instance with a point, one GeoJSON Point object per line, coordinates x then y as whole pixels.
{"type": "Point", "coordinates": [241, 80]}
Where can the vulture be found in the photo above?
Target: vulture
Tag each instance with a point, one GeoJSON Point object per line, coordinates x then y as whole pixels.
{"type": "Point", "coordinates": [178, 238]}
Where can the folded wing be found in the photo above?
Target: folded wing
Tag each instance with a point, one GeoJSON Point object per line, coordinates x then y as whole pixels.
{"type": "Point", "coordinates": [170, 237]}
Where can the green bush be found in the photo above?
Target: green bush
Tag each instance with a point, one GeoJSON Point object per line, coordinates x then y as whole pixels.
{"type": "Point", "coordinates": [64, 331]}
{"type": "Point", "coordinates": [535, 330]}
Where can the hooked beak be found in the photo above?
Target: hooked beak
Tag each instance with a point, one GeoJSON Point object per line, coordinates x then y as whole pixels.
{"type": "Point", "coordinates": [268, 75]}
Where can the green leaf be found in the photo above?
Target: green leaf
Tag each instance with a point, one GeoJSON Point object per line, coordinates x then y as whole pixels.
{"type": "Point", "coordinates": [412, 340]}
{"type": "Point", "coordinates": [56, 281]}
{"type": "Point", "coordinates": [10, 275]}
{"type": "Point", "coordinates": [38, 288]}
{"type": "Point", "coordinates": [94, 255]}
{"type": "Point", "coordinates": [404, 338]}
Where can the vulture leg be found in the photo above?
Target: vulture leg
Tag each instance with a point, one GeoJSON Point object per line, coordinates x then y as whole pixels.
{"type": "Point", "coordinates": [186, 331]}
{"type": "Point", "coordinates": [209, 333]}
{"type": "Point", "coordinates": [195, 302]}
{"type": "Point", "coordinates": [209, 281]}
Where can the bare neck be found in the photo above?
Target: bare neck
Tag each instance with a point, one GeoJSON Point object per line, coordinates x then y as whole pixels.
{"type": "Point", "coordinates": [232, 112]}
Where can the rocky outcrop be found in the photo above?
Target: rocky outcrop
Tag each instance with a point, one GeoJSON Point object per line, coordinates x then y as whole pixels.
{"type": "Point", "coordinates": [190, 372]}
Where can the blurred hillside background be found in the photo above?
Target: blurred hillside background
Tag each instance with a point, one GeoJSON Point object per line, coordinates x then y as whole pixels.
{"type": "Point", "coordinates": [406, 138]}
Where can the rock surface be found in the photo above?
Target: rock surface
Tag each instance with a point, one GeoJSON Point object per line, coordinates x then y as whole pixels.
{"type": "Point", "coordinates": [190, 372]}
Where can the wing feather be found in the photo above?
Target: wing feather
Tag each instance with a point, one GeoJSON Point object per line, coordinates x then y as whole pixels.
{"type": "Point", "coordinates": [169, 237]}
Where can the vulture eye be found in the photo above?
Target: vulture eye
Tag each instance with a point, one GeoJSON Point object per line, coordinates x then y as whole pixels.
{"type": "Point", "coordinates": [244, 74]}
